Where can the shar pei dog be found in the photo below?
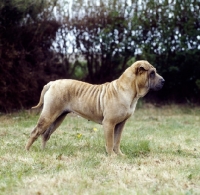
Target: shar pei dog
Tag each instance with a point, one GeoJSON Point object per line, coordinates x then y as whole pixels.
{"type": "Point", "coordinates": [109, 104]}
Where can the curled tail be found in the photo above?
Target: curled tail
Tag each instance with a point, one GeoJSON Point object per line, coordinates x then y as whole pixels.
{"type": "Point", "coordinates": [44, 90]}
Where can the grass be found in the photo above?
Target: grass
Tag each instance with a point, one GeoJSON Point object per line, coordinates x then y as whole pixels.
{"type": "Point", "coordinates": [162, 147]}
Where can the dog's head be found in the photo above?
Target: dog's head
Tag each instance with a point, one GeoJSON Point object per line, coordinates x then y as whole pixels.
{"type": "Point", "coordinates": [146, 77]}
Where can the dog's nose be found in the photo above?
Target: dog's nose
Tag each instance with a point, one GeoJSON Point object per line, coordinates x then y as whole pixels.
{"type": "Point", "coordinates": [162, 81]}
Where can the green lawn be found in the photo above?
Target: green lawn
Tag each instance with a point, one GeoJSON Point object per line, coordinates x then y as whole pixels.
{"type": "Point", "coordinates": [162, 147]}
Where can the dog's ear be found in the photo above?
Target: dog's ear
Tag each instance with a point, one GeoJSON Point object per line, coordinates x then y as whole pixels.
{"type": "Point", "coordinates": [142, 68]}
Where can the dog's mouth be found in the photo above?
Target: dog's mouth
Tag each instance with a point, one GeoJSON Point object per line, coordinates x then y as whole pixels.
{"type": "Point", "coordinates": [159, 87]}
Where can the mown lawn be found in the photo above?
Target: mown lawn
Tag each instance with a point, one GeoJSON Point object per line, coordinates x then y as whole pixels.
{"type": "Point", "coordinates": [162, 147]}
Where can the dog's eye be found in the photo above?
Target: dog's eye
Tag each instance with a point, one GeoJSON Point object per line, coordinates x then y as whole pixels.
{"type": "Point", "coordinates": [152, 74]}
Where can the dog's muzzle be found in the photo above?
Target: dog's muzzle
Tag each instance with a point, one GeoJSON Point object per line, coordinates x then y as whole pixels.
{"type": "Point", "coordinates": [160, 84]}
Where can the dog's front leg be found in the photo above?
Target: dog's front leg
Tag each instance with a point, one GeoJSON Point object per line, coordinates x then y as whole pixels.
{"type": "Point", "coordinates": [109, 136]}
{"type": "Point", "coordinates": [117, 137]}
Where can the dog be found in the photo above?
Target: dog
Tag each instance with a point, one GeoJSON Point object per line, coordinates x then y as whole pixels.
{"type": "Point", "coordinates": [109, 104]}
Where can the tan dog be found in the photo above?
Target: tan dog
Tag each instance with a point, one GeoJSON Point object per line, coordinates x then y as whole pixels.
{"type": "Point", "coordinates": [109, 104]}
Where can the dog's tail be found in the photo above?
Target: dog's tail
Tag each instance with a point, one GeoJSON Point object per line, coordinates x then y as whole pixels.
{"type": "Point", "coordinates": [44, 90]}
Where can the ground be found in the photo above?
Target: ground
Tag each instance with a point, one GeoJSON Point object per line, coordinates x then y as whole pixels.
{"type": "Point", "coordinates": [162, 147]}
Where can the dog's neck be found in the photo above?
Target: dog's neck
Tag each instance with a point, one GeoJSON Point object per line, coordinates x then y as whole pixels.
{"type": "Point", "coordinates": [128, 82]}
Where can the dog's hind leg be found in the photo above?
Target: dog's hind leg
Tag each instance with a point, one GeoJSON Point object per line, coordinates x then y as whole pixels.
{"type": "Point", "coordinates": [44, 122]}
{"type": "Point", "coordinates": [46, 135]}
{"type": "Point", "coordinates": [42, 125]}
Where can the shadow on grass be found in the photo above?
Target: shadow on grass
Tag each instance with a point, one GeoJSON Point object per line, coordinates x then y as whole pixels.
{"type": "Point", "coordinates": [137, 149]}
{"type": "Point", "coordinates": [72, 148]}
{"type": "Point", "coordinates": [142, 148]}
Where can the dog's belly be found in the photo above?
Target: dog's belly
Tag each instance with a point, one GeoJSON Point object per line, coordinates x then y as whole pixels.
{"type": "Point", "coordinates": [87, 109]}
{"type": "Point", "coordinates": [94, 118]}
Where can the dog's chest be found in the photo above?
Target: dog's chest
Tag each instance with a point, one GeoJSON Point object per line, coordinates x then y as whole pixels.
{"type": "Point", "coordinates": [133, 106]}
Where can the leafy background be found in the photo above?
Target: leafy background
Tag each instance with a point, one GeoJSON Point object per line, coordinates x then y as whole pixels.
{"type": "Point", "coordinates": [96, 41]}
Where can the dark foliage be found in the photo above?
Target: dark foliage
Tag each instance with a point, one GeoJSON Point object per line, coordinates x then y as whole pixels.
{"type": "Point", "coordinates": [172, 43]}
{"type": "Point", "coordinates": [25, 41]}
{"type": "Point", "coordinates": [104, 39]}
